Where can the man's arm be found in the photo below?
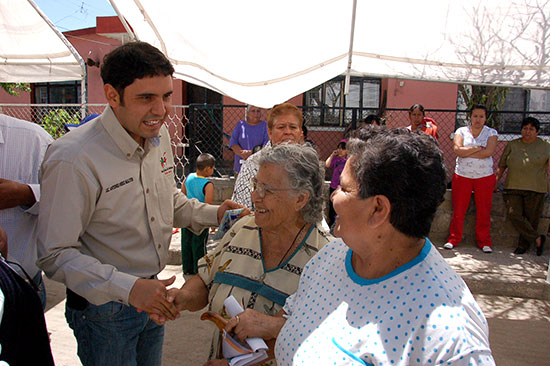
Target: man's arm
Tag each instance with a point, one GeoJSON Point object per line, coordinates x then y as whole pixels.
{"type": "Point", "coordinates": [69, 199]}
{"type": "Point", "coordinates": [13, 194]}
{"type": "Point", "coordinates": [192, 296]}
{"type": "Point", "coordinates": [3, 243]}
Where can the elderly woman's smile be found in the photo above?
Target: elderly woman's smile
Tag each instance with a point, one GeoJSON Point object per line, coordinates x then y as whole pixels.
{"type": "Point", "coordinates": [273, 199]}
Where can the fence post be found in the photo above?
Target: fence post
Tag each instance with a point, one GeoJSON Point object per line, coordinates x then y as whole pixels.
{"type": "Point", "coordinates": [353, 119]}
{"type": "Point", "coordinates": [190, 133]}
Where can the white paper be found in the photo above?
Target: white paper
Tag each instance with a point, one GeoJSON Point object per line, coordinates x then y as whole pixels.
{"type": "Point", "coordinates": [229, 218]}
{"type": "Point", "coordinates": [236, 352]}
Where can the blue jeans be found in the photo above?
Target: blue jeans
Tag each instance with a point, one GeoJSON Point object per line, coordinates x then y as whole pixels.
{"type": "Point", "coordinates": [115, 334]}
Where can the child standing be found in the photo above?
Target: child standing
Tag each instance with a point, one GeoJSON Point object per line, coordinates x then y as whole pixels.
{"type": "Point", "coordinates": [196, 185]}
{"type": "Point", "coordinates": [336, 162]}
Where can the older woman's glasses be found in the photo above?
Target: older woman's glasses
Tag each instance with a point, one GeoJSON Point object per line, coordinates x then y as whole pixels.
{"type": "Point", "coordinates": [262, 189]}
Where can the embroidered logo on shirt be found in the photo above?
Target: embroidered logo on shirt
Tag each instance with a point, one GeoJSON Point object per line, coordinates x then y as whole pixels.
{"type": "Point", "coordinates": [119, 184]}
{"type": "Point", "coordinates": [163, 160]}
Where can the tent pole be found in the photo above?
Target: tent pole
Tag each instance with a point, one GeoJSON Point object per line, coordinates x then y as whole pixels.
{"type": "Point", "coordinates": [124, 22]}
{"type": "Point", "coordinates": [76, 55]}
{"type": "Point", "coordinates": [67, 43]}
{"type": "Point", "coordinates": [83, 95]}
{"type": "Point", "coordinates": [350, 52]}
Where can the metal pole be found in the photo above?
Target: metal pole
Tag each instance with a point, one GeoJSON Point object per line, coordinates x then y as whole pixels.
{"type": "Point", "coordinates": [124, 23]}
{"type": "Point", "coordinates": [350, 52]}
{"type": "Point", "coordinates": [71, 49]}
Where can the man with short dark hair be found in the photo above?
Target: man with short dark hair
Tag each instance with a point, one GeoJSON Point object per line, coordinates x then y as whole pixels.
{"type": "Point", "coordinates": [110, 202]}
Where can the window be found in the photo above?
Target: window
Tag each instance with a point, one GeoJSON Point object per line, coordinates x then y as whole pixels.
{"type": "Point", "coordinates": [57, 93]}
{"type": "Point", "coordinates": [539, 101]}
{"type": "Point", "coordinates": [521, 103]}
{"type": "Point", "coordinates": [326, 104]}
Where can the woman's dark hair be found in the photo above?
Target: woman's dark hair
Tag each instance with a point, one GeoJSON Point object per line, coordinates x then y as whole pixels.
{"type": "Point", "coordinates": [341, 145]}
{"type": "Point", "coordinates": [131, 61]}
{"type": "Point", "coordinates": [370, 119]}
{"type": "Point", "coordinates": [407, 168]}
{"type": "Point", "coordinates": [419, 106]}
{"type": "Point", "coordinates": [480, 106]}
{"type": "Point", "coordinates": [531, 121]}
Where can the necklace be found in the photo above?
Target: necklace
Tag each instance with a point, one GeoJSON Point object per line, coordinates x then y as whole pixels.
{"type": "Point", "coordinates": [291, 245]}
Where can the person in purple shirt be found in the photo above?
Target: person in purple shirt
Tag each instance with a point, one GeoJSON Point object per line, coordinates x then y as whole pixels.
{"type": "Point", "coordinates": [336, 162]}
{"type": "Point", "coordinates": [246, 135]}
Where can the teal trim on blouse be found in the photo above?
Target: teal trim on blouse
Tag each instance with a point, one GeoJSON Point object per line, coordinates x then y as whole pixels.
{"type": "Point", "coordinates": [248, 284]}
{"type": "Point", "coordinates": [293, 253]}
{"type": "Point", "coordinates": [351, 355]}
{"type": "Point", "coordinates": [364, 281]}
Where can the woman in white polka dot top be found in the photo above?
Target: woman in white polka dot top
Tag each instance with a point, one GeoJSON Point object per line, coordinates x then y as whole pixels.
{"type": "Point", "coordinates": [381, 294]}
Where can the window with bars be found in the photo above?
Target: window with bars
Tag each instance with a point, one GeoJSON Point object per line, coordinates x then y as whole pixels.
{"type": "Point", "coordinates": [326, 104]}
{"type": "Point", "coordinates": [57, 92]}
{"type": "Point", "coordinates": [521, 103]}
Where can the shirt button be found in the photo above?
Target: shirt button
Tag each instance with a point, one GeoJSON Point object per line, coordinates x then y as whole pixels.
{"type": "Point", "coordinates": [147, 190]}
{"type": "Point", "coordinates": [152, 219]}
{"type": "Point", "coordinates": [159, 246]}
{"type": "Point", "coordinates": [128, 155]}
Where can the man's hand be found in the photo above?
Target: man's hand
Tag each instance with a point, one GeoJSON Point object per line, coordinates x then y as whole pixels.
{"type": "Point", "coordinates": [3, 243]}
{"type": "Point", "coordinates": [150, 296]}
{"type": "Point", "coordinates": [251, 323]}
{"type": "Point", "coordinates": [13, 194]}
{"type": "Point", "coordinates": [177, 298]}
{"type": "Point", "coordinates": [174, 296]}
{"type": "Point", "coordinates": [230, 205]}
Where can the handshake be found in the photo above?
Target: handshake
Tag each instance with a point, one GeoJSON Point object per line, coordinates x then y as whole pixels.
{"type": "Point", "coordinates": [162, 303]}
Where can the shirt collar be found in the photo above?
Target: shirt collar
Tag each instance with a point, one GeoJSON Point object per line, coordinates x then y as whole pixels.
{"type": "Point", "coordinates": [120, 136]}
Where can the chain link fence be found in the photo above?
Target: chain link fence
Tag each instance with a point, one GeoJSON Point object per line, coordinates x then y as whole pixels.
{"type": "Point", "coordinates": [328, 125]}
{"type": "Point", "coordinates": [199, 128]}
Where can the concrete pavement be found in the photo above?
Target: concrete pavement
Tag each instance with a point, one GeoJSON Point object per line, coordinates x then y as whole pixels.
{"type": "Point", "coordinates": [510, 289]}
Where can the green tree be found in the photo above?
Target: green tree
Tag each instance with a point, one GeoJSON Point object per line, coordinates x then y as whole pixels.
{"type": "Point", "coordinates": [15, 88]}
{"type": "Point", "coordinates": [55, 119]}
{"type": "Point", "coordinates": [492, 97]}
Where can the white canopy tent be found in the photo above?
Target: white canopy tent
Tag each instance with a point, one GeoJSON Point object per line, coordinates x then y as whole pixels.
{"type": "Point", "coordinates": [32, 49]}
{"type": "Point", "coordinates": [263, 53]}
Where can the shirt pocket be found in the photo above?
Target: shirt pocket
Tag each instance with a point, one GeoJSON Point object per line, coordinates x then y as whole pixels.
{"type": "Point", "coordinates": [165, 199]}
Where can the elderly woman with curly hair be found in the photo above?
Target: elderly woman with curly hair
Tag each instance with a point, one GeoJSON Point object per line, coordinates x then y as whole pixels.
{"type": "Point", "coordinates": [260, 259]}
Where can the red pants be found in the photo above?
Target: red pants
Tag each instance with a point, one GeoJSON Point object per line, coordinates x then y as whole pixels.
{"type": "Point", "coordinates": [483, 195]}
